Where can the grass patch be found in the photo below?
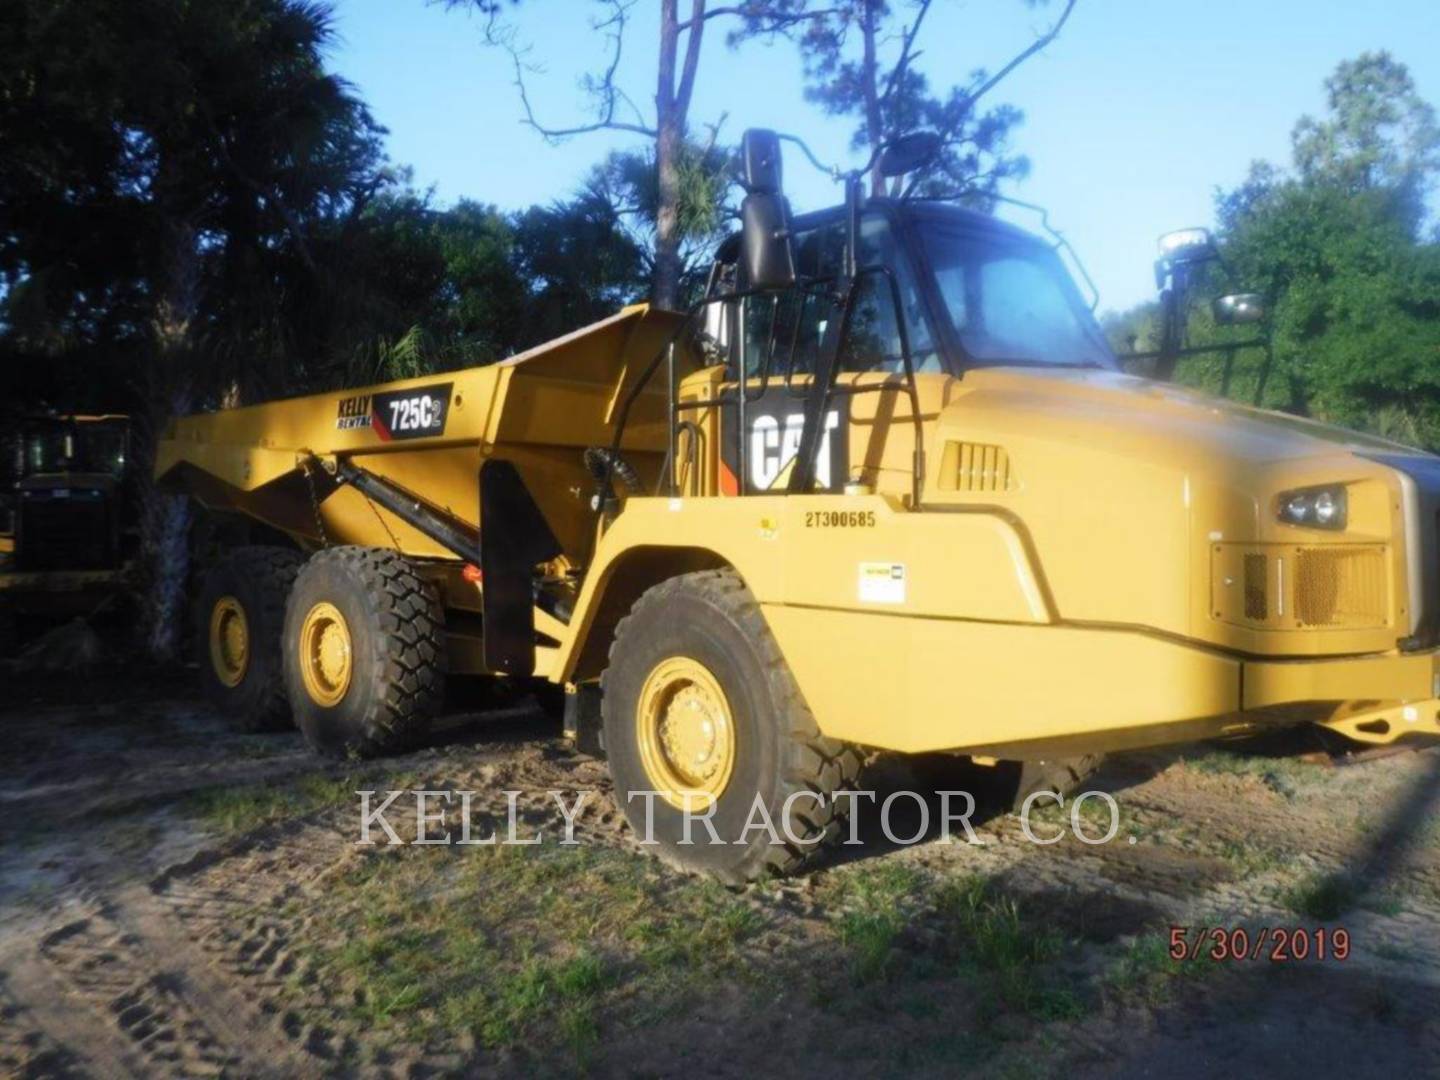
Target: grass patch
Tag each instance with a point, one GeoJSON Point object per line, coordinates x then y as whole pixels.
{"type": "Point", "coordinates": [1387, 903]}
{"type": "Point", "coordinates": [1095, 816]}
{"type": "Point", "coordinates": [1249, 859]}
{"type": "Point", "coordinates": [877, 902]}
{"type": "Point", "coordinates": [870, 937]}
{"type": "Point", "coordinates": [524, 948]}
{"type": "Point", "coordinates": [1012, 956]}
{"type": "Point", "coordinates": [1146, 972]}
{"type": "Point", "coordinates": [1388, 950]}
{"type": "Point", "coordinates": [241, 809]}
{"type": "Point", "coordinates": [1322, 896]}
{"type": "Point", "coordinates": [1284, 776]}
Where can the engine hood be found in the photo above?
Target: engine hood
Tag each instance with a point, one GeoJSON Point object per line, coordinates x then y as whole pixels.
{"type": "Point", "coordinates": [1163, 422]}
{"type": "Point", "coordinates": [1139, 497]}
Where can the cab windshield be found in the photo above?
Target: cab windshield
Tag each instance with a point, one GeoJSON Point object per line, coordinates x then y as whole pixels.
{"type": "Point", "coordinates": [58, 446]}
{"type": "Point", "coordinates": [1010, 301]}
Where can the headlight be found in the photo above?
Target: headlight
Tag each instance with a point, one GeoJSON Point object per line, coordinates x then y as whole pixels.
{"type": "Point", "coordinates": [1316, 508]}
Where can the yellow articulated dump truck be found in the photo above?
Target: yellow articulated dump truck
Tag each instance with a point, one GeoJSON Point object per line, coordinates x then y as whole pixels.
{"type": "Point", "coordinates": [885, 488]}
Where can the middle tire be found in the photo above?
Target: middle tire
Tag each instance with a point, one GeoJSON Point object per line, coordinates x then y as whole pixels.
{"type": "Point", "coordinates": [700, 711]}
{"type": "Point", "coordinates": [364, 652]}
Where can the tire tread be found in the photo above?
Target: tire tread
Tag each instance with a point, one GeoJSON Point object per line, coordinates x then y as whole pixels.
{"type": "Point", "coordinates": [811, 761]}
{"type": "Point", "coordinates": [269, 571]}
{"type": "Point", "coordinates": [409, 651]}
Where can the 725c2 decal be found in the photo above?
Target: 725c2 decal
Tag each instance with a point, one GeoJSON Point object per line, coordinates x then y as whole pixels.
{"type": "Point", "coordinates": [417, 413]}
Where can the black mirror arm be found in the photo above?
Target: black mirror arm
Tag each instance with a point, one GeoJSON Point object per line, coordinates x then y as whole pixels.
{"type": "Point", "coordinates": [832, 171]}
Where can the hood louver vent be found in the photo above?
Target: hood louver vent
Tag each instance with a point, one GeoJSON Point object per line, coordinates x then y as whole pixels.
{"type": "Point", "coordinates": [976, 467]}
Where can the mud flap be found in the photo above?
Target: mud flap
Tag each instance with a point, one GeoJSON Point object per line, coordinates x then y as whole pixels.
{"type": "Point", "coordinates": [514, 537]}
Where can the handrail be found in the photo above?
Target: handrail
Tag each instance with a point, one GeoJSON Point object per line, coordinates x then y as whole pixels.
{"type": "Point", "coordinates": [745, 395]}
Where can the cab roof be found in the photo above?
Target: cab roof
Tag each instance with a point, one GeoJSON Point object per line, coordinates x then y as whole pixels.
{"type": "Point", "coordinates": [923, 209]}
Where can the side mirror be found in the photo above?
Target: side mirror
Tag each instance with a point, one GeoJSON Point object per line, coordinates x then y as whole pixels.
{"type": "Point", "coordinates": [760, 155]}
{"type": "Point", "coordinates": [769, 257]}
{"type": "Point", "coordinates": [908, 153]}
{"type": "Point", "coordinates": [1187, 246]}
{"type": "Point", "coordinates": [1238, 308]}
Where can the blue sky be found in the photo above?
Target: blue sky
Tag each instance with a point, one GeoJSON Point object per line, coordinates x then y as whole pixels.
{"type": "Point", "coordinates": [1132, 117]}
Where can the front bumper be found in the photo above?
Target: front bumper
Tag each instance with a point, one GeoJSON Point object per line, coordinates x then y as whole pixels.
{"type": "Point", "coordinates": [1374, 699]}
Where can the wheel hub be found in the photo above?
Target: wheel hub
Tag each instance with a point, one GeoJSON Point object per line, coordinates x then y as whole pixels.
{"type": "Point", "coordinates": [685, 733]}
{"type": "Point", "coordinates": [325, 654]}
{"type": "Point", "coordinates": [229, 641]}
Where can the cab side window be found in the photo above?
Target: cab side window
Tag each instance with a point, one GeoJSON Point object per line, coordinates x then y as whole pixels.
{"type": "Point", "coordinates": [799, 318]}
{"type": "Point", "coordinates": [875, 324]}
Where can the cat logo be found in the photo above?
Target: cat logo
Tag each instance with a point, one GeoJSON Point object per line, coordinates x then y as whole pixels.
{"type": "Point", "coordinates": [774, 424]}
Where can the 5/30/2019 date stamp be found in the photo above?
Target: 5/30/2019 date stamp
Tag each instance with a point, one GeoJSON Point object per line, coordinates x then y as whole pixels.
{"type": "Point", "coordinates": [1279, 944]}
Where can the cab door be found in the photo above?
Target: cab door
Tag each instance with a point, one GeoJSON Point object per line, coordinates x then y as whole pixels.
{"type": "Point", "coordinates": [868, 432]}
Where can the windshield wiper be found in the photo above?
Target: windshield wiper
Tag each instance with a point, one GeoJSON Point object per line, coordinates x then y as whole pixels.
{"type": "Point", "coordinates": [1030, 361]}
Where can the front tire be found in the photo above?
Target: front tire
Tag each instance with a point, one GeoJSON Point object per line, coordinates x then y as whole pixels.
{"type": "Point", "coordinates": [364, 651]}
{"type": "Point", "coordinates": [700, 708]}
{"type": "Point", "coordinates": [239, 618]}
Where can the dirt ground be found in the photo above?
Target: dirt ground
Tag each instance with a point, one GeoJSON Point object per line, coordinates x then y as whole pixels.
{"type": "Point", "coordinates": [180, 900]}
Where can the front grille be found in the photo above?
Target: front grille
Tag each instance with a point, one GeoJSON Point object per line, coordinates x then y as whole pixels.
{"type": "Point", "coordinates": [73, 533]}
{"type": "Point", "coordinates": [1341, 586]}
{"type": "Point", "coordinates": [1285, 587]}
{"type": "Point", "coordinates": [1257, 588]}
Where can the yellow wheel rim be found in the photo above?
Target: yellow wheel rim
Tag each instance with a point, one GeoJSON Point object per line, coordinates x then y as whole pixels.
{"type": "Point", "coordinates": [685, 733]}
{"type": "Point", "coordinates": [229, 641]}
{"type": "Point", "coordinates": [325, 661]}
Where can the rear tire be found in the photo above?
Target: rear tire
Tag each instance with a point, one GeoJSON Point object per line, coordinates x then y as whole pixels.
{"type": "Point", "coordinates": [364, 651]}
{"type": "Point", "coordinates": [1060, 775]}
{"type": "Point", "coordinates": [698, 701]}
{"type": "Point", "coordinates": [239, 618]}
{"type": "Point", "coordinates": [1005, 785]}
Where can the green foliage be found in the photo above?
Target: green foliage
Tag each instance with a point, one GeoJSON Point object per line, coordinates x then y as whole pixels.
{"type": "Point", "coordinates": [186, 180]}
{"type": "Point", "coordinates": [177, 163]}
{"type": "Point", "coordinates": [858, 57]}
{"type": "Point", "coordinates": [626, 185]}
{"type": "Point", "coordinates": [1379, 134]}
{"type": "Point", "coordinates": [1147, 973]}
{"type": "Point", "coordinates": [241, 809]}
{"type": "Point", "coordinates": [578, 262]}
{"type": "Point", "coordinates": [1014, 955]}
{"type": "Point", "coordinates": [1323, 896]}
{"type": "Point", "coordinates": [1337, 246]}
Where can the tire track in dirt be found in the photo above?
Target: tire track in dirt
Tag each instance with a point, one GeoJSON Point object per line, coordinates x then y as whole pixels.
{"type": "Point", "coordinates": [241, 905]}
{"type": "Point", "coordinates": [237, 908]}
{"type": "Point", "coordinates": [27, 1050]}
{"type": "Point", "coordinates": [110, 974]}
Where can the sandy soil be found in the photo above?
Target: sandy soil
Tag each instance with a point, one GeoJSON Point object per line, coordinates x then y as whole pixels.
{"type": "Point", "coordinates": [142, 935]}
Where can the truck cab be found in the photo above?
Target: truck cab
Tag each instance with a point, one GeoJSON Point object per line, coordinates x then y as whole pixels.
{"type": "Point", "coordinates": [65, 505]}
{"type": "Point", "coordinates": [66, 534]}
{"type": "Point", "coordinates": [960, 290]}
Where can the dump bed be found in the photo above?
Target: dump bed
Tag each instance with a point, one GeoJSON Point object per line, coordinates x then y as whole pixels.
{"type": "Point", "coordinates": [538, 410]}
